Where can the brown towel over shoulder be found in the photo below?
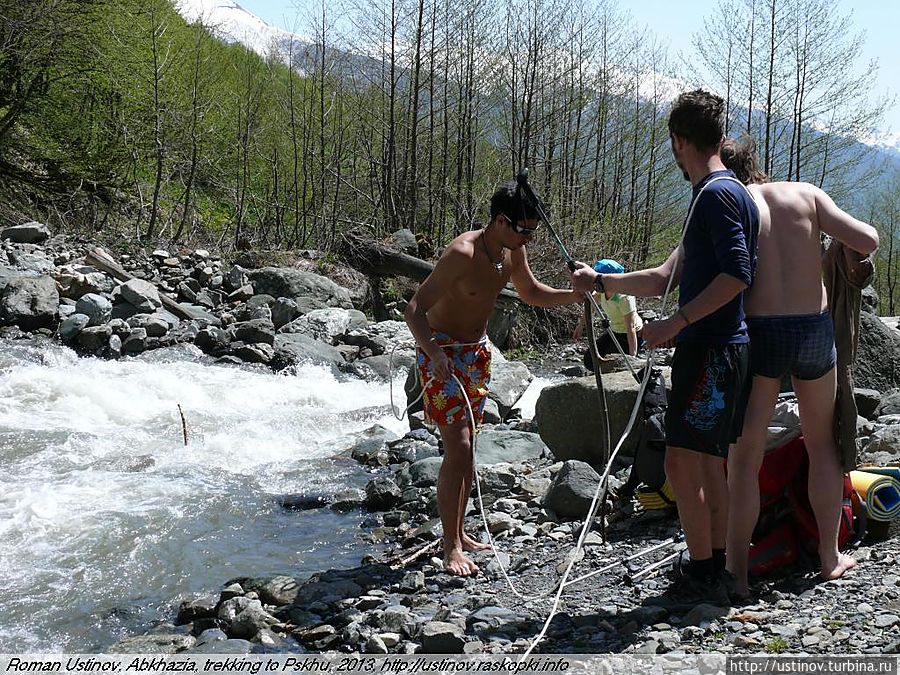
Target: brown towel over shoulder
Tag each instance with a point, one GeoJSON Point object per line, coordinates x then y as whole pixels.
{"type": "Point", "coordinates": [846, 273]}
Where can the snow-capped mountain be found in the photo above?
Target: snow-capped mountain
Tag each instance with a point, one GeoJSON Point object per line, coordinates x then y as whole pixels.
{"type": "Point", "coordinates": [886, 142]}
{"type": "Point", "coordinates": [232, 23]}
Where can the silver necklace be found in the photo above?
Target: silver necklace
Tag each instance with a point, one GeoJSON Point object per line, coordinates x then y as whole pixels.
{"type": "Point", "coordinates": [498, 266]}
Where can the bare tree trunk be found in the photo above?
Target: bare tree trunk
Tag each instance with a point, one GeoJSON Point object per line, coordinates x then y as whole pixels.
{"type": "Point", "coordinates": [322, 199]}
{"type": "Point", "coordinates": [295, 149]}
{"type": "Point", "coordinates": [197, 75]}
{"type": "Point", "coordinates": [432, 59]}
{"type": "Point", "coordinates": [157, 31]}
{"type": "Point", "coordinates": [412, 158]}
{"type": "Point", "coordinates": [767, 161]}
{"type": "Point", "coordinates": [750, 71]}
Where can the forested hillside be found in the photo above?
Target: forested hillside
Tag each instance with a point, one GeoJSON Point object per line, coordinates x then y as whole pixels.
{"type": "Point", "coordinates": [120, 117]}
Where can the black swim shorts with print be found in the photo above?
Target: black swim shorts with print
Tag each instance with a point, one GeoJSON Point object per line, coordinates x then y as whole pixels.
{"type": "Point", "coordinates": [801, 345]}
{"type": "Point", "coordinates": [710, 388]}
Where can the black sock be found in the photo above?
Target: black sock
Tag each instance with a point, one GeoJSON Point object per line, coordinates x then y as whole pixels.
{"type": "Point", "coordinates": [702, 570]}
{"type": "Point", "coordinates": [718, 560]}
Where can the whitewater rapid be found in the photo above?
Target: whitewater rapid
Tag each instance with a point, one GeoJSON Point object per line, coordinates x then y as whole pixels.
{"type": "Point", "coordinates": [108, 520]}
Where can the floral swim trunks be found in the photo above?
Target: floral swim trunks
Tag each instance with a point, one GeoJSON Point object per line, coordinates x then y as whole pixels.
{"type": "Point", "coordinates": [471, 362]}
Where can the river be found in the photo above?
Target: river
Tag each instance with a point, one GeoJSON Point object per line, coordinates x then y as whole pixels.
{"type": "Point", "coordinates": [108, 520]}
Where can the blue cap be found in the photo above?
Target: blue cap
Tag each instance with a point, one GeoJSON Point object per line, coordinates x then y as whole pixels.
{"type": "Point", "coordinates": [607, 266]}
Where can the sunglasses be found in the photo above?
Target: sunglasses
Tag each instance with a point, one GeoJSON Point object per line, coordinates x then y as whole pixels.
{"type": "Point", "coordinates": [521, 229]}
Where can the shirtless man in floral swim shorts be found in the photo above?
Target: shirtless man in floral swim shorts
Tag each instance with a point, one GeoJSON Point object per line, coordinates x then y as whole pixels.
{"type": "Point", "coordinates": [448, 317]}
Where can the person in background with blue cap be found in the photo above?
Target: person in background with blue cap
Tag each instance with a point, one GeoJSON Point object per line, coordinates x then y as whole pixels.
{"type": "Point", "coordinates": [625, 324]}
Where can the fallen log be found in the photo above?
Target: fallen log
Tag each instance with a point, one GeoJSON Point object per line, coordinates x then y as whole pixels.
{"type": "Point", "coordinates": [104, 262]}
{"type": "Point", "coordinates": [375, 259]}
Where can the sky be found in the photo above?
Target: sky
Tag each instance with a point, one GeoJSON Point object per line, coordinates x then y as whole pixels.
{"type": "Point", "coordinates": [676, 21]}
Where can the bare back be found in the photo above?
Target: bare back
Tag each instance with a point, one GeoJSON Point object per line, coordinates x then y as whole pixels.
{"type": "Point", "coordinates": [789, 268]}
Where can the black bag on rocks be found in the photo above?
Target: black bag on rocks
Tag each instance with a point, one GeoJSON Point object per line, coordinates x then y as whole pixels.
{"type": "Point", "coordinates": [648, 467]}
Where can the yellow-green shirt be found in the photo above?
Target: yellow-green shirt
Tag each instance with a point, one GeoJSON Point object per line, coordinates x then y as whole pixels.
{"type": "Point", "coordinates": [617, 308]}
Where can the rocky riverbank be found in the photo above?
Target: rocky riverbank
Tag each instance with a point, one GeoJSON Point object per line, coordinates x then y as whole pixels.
{"type": "Point", "coordinates": [536, 478]}
{"type": "Point", "coordinates": [403, 602]}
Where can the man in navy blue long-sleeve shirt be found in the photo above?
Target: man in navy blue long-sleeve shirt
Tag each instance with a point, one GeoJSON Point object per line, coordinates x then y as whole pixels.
{"type": "Point", "coordinates": [714, 264]}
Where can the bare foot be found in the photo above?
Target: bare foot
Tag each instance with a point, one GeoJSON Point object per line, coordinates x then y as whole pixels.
{"type": "Point", "coordinates": [457, 564]}
{"type": "Point", "coordinates": [844, 563]}
{"type": "Point", "coordinates": [469, 544]}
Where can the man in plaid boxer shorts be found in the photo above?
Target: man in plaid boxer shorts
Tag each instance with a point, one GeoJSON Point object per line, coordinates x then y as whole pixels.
{"type": "Point", "coordinates": [791, 333]}
{"type": "Point", "coordinates": [448, 317]}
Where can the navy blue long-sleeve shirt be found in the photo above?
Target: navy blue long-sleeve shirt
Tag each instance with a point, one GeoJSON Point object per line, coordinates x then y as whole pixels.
{"type": "Point", "coordinates": [721, 237]}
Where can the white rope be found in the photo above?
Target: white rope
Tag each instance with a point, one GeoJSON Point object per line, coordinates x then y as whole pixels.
{"type": "Point", "coordinates": [647, 368]}
{"type": "Point", "coordinates": [394, 409]}
{"type": "Point", "coordinates": [604, 316]}
{"type": "Point", "coordinates": [474, 439]}
{"type": "Point", "coordinates": [593, 508]}
{"type": "Point", "coordinates": [573, 556]}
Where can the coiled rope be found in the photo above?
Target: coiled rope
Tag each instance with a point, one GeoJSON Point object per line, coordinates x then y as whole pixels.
{"type": "Point", "coordinates": [573, 555]}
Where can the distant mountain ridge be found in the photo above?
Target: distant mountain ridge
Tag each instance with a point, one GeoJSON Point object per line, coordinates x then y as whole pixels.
{"type": "Point", "coordinates": [234, 24]}
{"type": "Point", "coordinates": [886, 142]}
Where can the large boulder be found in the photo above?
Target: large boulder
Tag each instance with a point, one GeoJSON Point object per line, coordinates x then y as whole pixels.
{"type": "Point", "coordinates": [284, 310]}
{"type": "Point", "coordinates": [140, 293]}
{"type": "Point", "coordinates": [7, 274]}
{"type": "Point", "coordinates": [509, 380]}
{"type": "Point", "coordinates": [570, 422]}
{"type": "Point", "coordinates": [382, 494]}
{"type": "Point", "coordinates": [877, 364]}
{"type": "Point", "coordinates": [288, 282]}
{"type": "Point", "coordinates": [30, 303]}
{"type": "Point", "coordinates": [869, 300]}
{"type": "Point", "coordinates": [884, 445]}
{"type": "Point", "coordinates": [493, 446]}
{"type": "Point", "coordinates": [867, 402]}
{"type": "Point", "coordinates": [441, 637]}
{"type": "Point", "coordinates": [404, 240]}
{"type": "Point", "coordinates": [381, 337]}
{"type": "Point", "coordinates": [213, 340]}
{"type": "Point", "coordinates": [421, 473]}
{"type": "Point", "coordinates": [36, 263]}
{"type": "Point", "coordinates": [889, 404]}
{"type": "Point", "coordinates": [258, 352]}
{"type": "Point", "coordinates": [326, 325]}
{"type": "Point", "coordinates": [153, 643]}
{"type": "Point", "coordinates": [252, 332]}
{"type": "Point", "coordinates": [96, 307]}
{"type": "Point", "coordinates": [273, 590]}
{"type": "Point", "coordinates": [73, 282]}
{"type": "Point", "coordinates": [383, 367]}
{"type": "Point", "coordinates": [28, 233]}
{"type": "Point", "coordinates": [572, 490]}
{"type": "Point", "coordinates": [72, 326]}
{"type": "Point", "coordinates": [293, 349]}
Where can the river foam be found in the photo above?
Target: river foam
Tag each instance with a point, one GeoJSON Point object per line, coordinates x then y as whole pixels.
{"type": "Point", "coordinates": [105, 514]}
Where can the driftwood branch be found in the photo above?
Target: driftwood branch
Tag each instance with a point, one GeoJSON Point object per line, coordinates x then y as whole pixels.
{"type": "Point", "coordinates": [397, 561]}
{"type": "Point", "coordinates": [183, 424]}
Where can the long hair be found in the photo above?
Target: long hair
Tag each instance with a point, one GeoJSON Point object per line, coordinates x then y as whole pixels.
{"type": "Point", "coordinates": [740, 156]}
